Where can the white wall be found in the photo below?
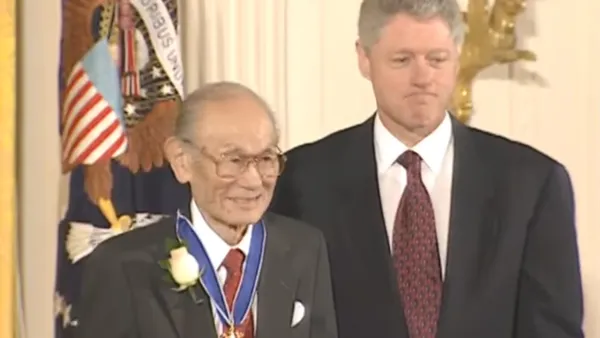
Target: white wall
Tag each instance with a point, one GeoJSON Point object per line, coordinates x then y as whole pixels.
{"type": "Point", "coordinates": [300, 56]}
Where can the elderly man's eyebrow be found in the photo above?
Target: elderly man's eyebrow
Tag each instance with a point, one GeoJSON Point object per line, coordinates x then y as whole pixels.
{"type": "Point", "coordinates": [236, 150]}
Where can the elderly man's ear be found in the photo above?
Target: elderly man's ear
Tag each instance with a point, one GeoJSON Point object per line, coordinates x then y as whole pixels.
{"type": "Point", "coordinates": [178, 159]}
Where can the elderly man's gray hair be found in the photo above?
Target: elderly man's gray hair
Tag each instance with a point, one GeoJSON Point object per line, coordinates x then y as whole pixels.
{"type": "Point", "coordinates": [191, 107]}
{"type": "Point", "coordinates": [375, 14]}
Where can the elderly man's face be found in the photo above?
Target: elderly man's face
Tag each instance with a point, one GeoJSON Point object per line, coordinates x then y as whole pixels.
{"type": "Point", "coordinates": [234, 161]}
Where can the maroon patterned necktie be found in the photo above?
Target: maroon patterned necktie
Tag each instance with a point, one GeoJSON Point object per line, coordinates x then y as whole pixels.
{"type": "Point", "coordinates": [415, 253]}
{"type": "Point", "coordinates": [233, 263]}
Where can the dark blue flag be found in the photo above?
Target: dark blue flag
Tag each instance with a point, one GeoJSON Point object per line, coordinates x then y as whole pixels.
{"type": "Point", "coordinates": [121, 81]}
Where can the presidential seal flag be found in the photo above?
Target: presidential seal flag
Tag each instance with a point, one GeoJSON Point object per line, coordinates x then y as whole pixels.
{"type": "Point", "coordinates": [121, 81]}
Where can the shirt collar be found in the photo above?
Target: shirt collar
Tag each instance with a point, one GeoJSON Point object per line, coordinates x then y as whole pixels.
{"type": "Point", "coordinates": [432, 148]}
{"type": "Point", "coordinates": [216, 248]}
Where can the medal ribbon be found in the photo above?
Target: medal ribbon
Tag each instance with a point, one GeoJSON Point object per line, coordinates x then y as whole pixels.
{"type": "Point", "coordinates": [247, 289]}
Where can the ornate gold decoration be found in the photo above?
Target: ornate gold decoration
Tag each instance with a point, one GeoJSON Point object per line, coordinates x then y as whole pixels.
{"type": "Point", "coordinates": [8, 162]}
{"type": "Point", "coordinates": [489, 39]}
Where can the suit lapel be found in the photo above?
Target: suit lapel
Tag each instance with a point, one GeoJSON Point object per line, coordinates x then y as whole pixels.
{"type": "Point", "coordinates": [472, 225]}
{"type": "Point", "coordinates": [359, 190]}
{"type": "Point", "coordinates": [190, 315]}
{"type": "Point", "coordinates": [276, 285]}
{"type": "Point", "coordinates": [363, 196]}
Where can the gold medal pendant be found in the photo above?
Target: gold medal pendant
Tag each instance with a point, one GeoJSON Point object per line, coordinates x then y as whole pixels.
{"type": "Point", "coordinates": [232, 333]}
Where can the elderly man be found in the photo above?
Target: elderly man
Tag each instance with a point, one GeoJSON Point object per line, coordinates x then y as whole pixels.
{"type": "Point", "coordinates": [229, 269]}
{"type": "Point", "coordinates": [435, 229]}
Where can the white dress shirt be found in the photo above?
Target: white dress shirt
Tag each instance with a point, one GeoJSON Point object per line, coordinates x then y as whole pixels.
{"type": "Point", "coordinates": [217, 249]}
{"type": "Point", "coordinates": [437, 153]}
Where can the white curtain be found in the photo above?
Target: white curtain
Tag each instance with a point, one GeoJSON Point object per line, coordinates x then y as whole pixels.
{"type": "Point", "coordinates": [242, 41]}
{"type": "Point", "coordinates": [280, 49]}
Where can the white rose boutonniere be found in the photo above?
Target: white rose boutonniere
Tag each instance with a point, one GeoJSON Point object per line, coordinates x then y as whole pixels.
{"type": "Point", "coordinates": [183, 268]}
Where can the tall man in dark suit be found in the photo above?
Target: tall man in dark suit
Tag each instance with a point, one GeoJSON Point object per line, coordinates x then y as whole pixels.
{"type": "Point", "coordinates": [232, 271]}
{"type": "Point", "coordinates": [434, 229]}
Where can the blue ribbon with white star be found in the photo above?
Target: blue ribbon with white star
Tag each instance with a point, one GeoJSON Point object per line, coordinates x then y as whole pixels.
{"type": "Point", "coordinates": [247, 290]}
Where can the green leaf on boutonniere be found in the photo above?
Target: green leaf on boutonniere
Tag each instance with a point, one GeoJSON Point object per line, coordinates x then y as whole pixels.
{"type": "Point", "coordinates": [172, 244]}
{"type": "Point", "coordinates": [164, 264]}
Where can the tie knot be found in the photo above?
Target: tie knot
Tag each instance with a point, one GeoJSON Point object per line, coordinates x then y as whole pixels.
{"type": "Point", "coordinates": [234, 260]}
{"type": "Point", "coordinates": [410, 160]}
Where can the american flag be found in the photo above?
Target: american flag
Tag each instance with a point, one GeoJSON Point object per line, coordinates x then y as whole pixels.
{"type": "Point", "coordinates": [94, 127]}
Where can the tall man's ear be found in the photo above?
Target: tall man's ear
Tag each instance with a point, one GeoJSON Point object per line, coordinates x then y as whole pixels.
{"type": "Point", "coordinates": [179, 159]}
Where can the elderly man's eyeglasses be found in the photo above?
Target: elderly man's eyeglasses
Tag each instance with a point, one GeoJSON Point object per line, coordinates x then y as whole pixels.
{"type": "Point", "coordinates": [269, 164]}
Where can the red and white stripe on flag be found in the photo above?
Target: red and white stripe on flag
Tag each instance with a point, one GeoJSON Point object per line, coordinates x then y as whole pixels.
{"type": "Point", "coordinates": [92, 130]}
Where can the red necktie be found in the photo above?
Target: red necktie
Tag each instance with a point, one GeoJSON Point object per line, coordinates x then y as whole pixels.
{"type": "Point", "coordinates": [415, 252]}
{"type": "Point", "coordinates": [233, 263]}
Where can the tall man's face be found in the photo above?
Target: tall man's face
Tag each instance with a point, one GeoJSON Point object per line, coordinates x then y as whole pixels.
{"type": "Point", "coordinates": [412, 68]}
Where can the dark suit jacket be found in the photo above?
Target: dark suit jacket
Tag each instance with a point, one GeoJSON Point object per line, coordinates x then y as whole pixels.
{"type": "Point", "coordinates": [125, 293]}
{"type": "Point", "coordinates": [512, 265]}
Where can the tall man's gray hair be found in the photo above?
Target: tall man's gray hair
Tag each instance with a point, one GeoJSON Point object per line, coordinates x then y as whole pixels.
{"type": "Point", "coordinates": [375, 14]}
